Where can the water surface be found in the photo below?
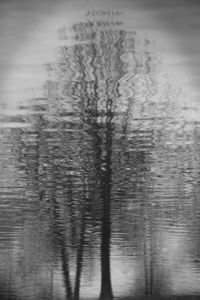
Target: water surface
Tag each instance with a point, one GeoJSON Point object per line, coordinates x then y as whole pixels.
{"type": "Point", "coordinates": [99, 179]}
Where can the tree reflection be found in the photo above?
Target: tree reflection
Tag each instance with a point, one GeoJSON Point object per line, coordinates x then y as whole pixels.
{"type": "Point", "coordinates": [96, 130]}
{"type": "Point", "coordinates": [99, 72]}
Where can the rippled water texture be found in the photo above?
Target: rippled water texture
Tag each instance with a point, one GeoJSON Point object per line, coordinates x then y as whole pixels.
{"type": "Point", "coordinates": [99, 179]}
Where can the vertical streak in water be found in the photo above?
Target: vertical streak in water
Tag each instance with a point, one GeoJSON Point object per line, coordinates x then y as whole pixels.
{"type": "Point", "coordinates": [61, 239]}
{"type": "Point", "coordinates": [105, 186]}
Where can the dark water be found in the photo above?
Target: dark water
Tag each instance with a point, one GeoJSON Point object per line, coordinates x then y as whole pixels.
{"type": "Point", "coordinates": [99, 179]}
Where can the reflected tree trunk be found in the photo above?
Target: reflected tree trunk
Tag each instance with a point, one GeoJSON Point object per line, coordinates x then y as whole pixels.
{"type": "Point", "coordinates": [103, 152]}
{"type": "Point", "coordinates": [105, 175]}
{"type": "Point", "coordinates": [65, 268]}
{"type": "Point", "coordinates": [102, 145]}
{"type": "Point", "coordinates": [105, 190]}
{"type": "Point", "coordinates": [61, 240]}
{"type": "Point", "coordinates": [79, 262]}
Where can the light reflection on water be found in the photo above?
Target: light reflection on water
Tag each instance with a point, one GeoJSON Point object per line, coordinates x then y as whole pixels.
{"type": "Point", "coordinates": [100, 176]}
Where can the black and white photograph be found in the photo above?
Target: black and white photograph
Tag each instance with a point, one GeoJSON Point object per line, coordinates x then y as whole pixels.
{"type": "Point", "coordinates": [99, 149]}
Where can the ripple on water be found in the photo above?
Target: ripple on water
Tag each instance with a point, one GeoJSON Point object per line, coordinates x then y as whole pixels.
{"type": "Point", "coordinates": [102, 169]}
